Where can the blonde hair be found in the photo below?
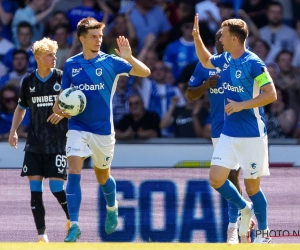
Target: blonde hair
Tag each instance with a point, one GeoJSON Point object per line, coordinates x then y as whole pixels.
{"type": "Point", "coordinates": [46, 44]}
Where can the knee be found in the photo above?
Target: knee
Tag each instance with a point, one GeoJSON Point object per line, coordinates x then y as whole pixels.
{"type": "Point", "coordinates": [215, 182]}
{"type": "Point", "coordinates": [252, 190]}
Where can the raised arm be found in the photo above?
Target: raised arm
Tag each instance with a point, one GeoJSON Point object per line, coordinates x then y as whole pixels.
{"type": "Point", "coordinates": [124, 51]}
{"type": "Point", "coordinates": [202, 52]}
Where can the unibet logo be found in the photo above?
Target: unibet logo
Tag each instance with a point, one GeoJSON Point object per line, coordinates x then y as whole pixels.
{"type": "Point", "coordinates": [229, 87]}
{"type": "Point", "coordinates": [44, 101]}
{"type": "Point", "coordinates": [219, 90]}
{"type": "Point", "coordinates": [89, 87]}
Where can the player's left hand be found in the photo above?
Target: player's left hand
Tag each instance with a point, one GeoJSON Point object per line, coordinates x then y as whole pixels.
{"type": "Point", "coordinates": [196, 31]}
{"type": "Point", "coordinates": [233, 107]}
{"type": "Point", "coordinates": [54, 118]}
{"type": "Point", "coordinates": [124, 50]}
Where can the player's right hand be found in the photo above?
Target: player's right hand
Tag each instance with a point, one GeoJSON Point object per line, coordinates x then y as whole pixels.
{"type": "Point", "coordinates": [59, 111]}
{"type": "Point", "coordinates": [212, 81]}
{"type": "Point", "coordinates": [13, 139]}
{"type": "Point", "coordinates": [196, 31]}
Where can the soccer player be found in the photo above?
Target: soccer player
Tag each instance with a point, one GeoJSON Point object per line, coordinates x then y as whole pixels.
{"type": "Point", "coordinates": [204, 79]}
{"type": "Point", "coordinates": [45, 155]}
{"type": "Point", "coordinates": [92, 131]}
{"type": "Point", "coordinates": [247, 87]}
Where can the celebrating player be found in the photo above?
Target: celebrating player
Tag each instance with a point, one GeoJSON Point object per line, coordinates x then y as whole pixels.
{"type": "Point", "coordinates": [45, 155]}
{"type": "Point", "coordinates": [247, 87]}
{"type": "Point", "coordinates": [92, 132]}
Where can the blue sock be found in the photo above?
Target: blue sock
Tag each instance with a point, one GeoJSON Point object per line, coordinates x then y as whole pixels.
{"type": "Point", "coordinates": [231, 194]}
{"type": "Point", "coordinates": [260, 209]}
{"type": "Point", "coordinates": [109, 191]}
{"type": "Point", "coordinates": [73, 192]}
{"type": "Point", "coordinates": [36, 186]}
{"type": "Point", "coordinates": [56, 185]}
{"type": "Point", "coordinates": [233, 212]}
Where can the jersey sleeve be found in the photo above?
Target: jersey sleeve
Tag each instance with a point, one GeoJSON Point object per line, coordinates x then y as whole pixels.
{"type": "Point", "coordinates": [218, 61]}
{"type": "Point", "coordinates": [66, 79]}
{"type": "Point", "coordinates": [120, 65]}
{"type": "Point", "coordinates": [22, 102]}
{"type": "Point", "coordinates": [260, 73]}
{"type": "Point", "coordinates": [197, 77]}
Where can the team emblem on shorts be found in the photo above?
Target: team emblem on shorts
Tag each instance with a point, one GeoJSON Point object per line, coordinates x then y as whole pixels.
{"type": "Point", "coordinates": [57, 86]}
{"type": "Point", "coordinates": [253, 165]}
{"type": "Point", "coordinates": [25, 169]}
{"type": "Point", "coordinates": [98, 72]}
{"type": "Point", "coordinates": [69, 149]}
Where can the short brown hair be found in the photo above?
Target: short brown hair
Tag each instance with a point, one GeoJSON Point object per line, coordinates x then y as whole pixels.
{"type": "Point", "coordinates": [86, 24]}
{"type": "Point", "coordinates": [237, 27]}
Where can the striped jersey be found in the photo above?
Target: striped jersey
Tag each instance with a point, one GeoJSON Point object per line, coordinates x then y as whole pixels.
{"type": "Point", "coordinates": [97, 79]}
{"type": "Point", "coordinates": [242, 79]}
{"type": "Point", "coordinates": [39, 95]}
{"type": "Point", "coordinates": [216, 97]}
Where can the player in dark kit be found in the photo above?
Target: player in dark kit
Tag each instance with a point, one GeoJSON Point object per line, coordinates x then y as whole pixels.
{"type": "Point", "coordinates": [45, 146]}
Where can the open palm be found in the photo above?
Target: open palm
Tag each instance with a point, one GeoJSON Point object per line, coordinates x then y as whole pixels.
{"type": "Point", "coordinates": [124, 50]}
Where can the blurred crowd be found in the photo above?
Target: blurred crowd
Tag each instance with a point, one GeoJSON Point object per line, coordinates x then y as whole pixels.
{"type": "Point", "coordinates": [160, 35]}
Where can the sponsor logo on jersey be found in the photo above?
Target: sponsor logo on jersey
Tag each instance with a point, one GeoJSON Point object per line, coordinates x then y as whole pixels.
{"type": "Point", "coordinates": [98, 72]}
{"type": "Point", "coordinates": [57, 86]}
{"type": "Point", "coordinates": [75, 72]}
{"type": "Point", "coordinates": [44, 101]}
{"type": "Point", "coordinates": [86, 86]}
{"type": "Point", "coordinates": [32, 89]}
{"type": "Point", "coordinates": [219, 90]}
{"type": "Point", "coordinates": [229, 87]}
{"type": "Point", "coordinates": [211, 73]}
{"type": "Point", "coordinates": [225, 66]}
{"type": "Point", "coordinates": [218, 70]}
{"type": "Point", "coordinates": [192, 78]}
{"type": "Point", "coordinates": [238, 73]}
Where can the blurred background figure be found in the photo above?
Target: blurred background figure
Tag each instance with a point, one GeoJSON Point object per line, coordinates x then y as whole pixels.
{"type": "Point", "coordinates": [139, 123]}
{"type": "Point", "coordinates": [9, 95]}
{"type": "Point", "coordinates": [20, 64]}
{"type": "Point", "coordinates": [7, 11]}
{"type": "Point", "coordinates": [190, 121]}
{"type": "Point", "coordinates": [280, 119]}
{"type": "Point", "coordinates": [24, 37]}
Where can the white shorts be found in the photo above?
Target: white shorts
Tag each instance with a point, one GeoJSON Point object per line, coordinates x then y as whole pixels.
{"type": "Point", "coordinates": [215, 142]}
{"type": "Point", "coordinates": [84, 144]}
{"type": "Point", "coordinates": [250, 153]}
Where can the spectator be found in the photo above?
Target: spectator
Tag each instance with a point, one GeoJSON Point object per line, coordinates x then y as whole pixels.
{"type": "Point", "coordinates": [257, 10]}
{"type": "Point", "coordinates": [184, 9]}
{"type": "Point", "coordinates": [20, 68]}
{"type": "Point", "coordinates": [8, 102]}
{"type": "Point", "coordinates": [58, 18]}
{"type": "Point", "coordinates": [24, 36]}
{"type": "Point", "coordinates": [157, 93]}
{"type": "Point", "coordinates": [7, 11]}
{"type": "Point", "coordinates": [296, 57]}
{"type": "Point", "coordinates": [120, 99]}
{"type": "Point", "coordinates": [280, 119]}
{"type": "Point", "coordinates": [277, 34]}
{"type": "Point", "coordinates": [60, 35]}
{"type": "Point", "coordinates": [35, 12]}
{"type": "Point", "coordinates": [139, 123]}
{"type": "Point", "coordinates": [289, 79]}
{"type": "Point", "coordinates": [273, 70]}
{"type": "Point", "coordinates": [261, 48]}
{"type": "Point", "coordinates": [147, 18]}
{"type": "Point", "coordinates": [86, 9]}
{"type": "Point", "coordinates": [121, 26]}
{"type": "Point", "coordinates": [5, 45]}
{"type": "Point", "coordinates": [189, 120]}
{"type": "Point", "coordinates": [181, 52]}
{"type": "Point", "coordinates": [209, 12]}
{"type": "Point", "coordinates": [170, 10]}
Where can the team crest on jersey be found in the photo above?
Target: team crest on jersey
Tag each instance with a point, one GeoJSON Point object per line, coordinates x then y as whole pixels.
{"type": "Point", "coordinates": [75, 72]}
{"type": "Point", "coordinates": [32, 89]}
{"type": "Point", "coordinates": [238, 74]}
{"type": "Point", "coordinates": [98, 72]}
{"type": "Point", "coordinates": [57, 86]}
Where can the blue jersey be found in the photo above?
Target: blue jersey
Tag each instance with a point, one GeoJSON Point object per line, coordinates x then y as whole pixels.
{"type": "Point", "coordinates": [97, 78]}
{"type": "Point", "coordinates": [242, 79]}
{"type": "Point", "coordinates": [216, 97]}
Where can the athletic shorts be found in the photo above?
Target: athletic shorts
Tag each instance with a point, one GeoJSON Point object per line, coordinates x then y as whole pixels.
{"type": "Point", "coordinates": [47, 165]}
{"type": "Point", "coordinates": [85, 144]}
{"type": "Point", "coordinates": [215, 142]}
{"type": "Point", "coordinates": [250, 153]}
